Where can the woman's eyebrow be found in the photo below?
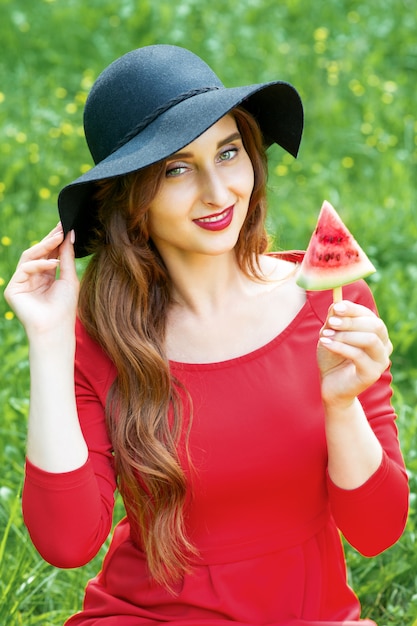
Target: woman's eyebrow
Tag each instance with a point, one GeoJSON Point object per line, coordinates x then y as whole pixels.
{"type": "Point", "coordinates": [232, 137]}
{"type": "Point", "coordinates": [222, 142]}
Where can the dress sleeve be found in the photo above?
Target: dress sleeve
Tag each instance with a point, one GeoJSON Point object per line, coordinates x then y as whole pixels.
{"type": "Point", "coordinates": [373, 516]}
{"type": "Point", "coordinates": [69, 515]}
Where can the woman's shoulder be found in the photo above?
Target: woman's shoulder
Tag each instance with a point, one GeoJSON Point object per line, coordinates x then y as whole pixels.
{"type": "Point", "coordinates": [358, 292]}
{"type": "Point", "coordinates": [276, 266]}
{"type": "Point", "coordinates": [282, 263]}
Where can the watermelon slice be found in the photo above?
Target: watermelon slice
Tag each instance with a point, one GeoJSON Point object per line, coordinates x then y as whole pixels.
{"type": "Point", "coordinates": [333, 257]}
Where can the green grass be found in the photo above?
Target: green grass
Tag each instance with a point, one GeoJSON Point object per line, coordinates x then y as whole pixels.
{"type": "Point", "coordinates": [355, 65]}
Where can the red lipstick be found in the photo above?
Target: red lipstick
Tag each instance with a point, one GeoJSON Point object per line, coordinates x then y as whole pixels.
{"type": "Point", "coordinates": [216, 221]}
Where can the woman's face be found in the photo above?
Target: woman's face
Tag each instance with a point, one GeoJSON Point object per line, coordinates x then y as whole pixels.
{"type": "Point", "coordinates": [203, 200]}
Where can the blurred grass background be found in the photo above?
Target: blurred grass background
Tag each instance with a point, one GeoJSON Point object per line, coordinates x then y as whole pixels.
{"type": "Point", "coordinates": [355, 65]}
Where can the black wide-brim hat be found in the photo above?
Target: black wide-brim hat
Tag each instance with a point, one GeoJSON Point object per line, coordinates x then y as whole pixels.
{"type": "Point", "coordinates": [149, 104]}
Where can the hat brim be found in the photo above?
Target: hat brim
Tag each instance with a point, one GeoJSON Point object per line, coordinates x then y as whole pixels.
{"type": "Point", "coordinates": [276, 106]}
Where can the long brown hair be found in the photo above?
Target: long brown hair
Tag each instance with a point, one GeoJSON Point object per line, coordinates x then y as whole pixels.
{"type": "Point", "coordinates": [124, 299]}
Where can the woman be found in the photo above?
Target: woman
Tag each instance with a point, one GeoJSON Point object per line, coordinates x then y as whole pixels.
{"type": "Point", "coordinates": [244, 421]}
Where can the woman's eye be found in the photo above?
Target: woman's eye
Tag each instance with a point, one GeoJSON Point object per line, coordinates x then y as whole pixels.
{"type": "Point", "coordinates": [175, 170]}
{"type": "Point", "coordinates": [228, 154]}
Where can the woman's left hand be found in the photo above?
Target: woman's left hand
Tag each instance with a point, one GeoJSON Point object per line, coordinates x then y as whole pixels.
{"type": "Point", "coordinates": [353, 351]}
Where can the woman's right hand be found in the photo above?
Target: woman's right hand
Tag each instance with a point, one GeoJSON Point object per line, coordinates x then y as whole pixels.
{"type": "Point", "coordinates": [42, 300]}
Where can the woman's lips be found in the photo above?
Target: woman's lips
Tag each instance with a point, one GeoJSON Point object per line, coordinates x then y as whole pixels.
{"type": "Point", "coordinates": [216, 221]}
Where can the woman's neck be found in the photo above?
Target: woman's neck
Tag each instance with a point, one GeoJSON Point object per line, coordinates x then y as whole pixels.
{"type": "Point", "coordinates": [207, 283]}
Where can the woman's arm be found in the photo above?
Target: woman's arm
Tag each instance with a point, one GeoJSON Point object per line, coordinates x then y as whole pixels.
{"type": "Point", "coordinates": [69, 514]}
{"type": "Point", "coordinates": [367, 481]}
{"type": "Point", "coordinates": [46, 306]}
{"type": "Point", "coordinates": [353, 352]}
{"type": "Point", "coordinates": [69, 485]}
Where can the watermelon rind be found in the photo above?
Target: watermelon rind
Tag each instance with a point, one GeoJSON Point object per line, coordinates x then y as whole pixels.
{"type": "Point", "coordinates": [333, 257]}
{"type": "Point", "coordinates": [311, 281]}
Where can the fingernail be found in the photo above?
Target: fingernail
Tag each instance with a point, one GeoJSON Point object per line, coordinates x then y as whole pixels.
{"type": "Point", "coordinates": [335, 321]}
{"type": "Point", "coordinates": [72, 236]}
{"type": "Point", "coordinates": [325, 340]}
{"type": "Point", "coordinates": [339, 307]}
{"type": "Point", "coordinates": [328, 332]}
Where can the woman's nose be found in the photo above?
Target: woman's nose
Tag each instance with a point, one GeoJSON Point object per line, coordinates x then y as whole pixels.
{"type": "Point", "coordinates": [214, 190]}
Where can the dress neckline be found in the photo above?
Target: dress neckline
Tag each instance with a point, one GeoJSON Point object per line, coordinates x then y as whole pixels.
{"type": "Point", "coordinates": [253, 354]}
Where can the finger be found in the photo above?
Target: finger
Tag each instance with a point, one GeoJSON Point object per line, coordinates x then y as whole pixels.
{"type": "Point", "coordinates": [360, 348]}
{"type": "Point", "coordinates": [29, 276]}
{"type": "Point", "coordinates": [350, 309]}
{"type": "Point", "coordinates": [347, 315]}
{"type": "Point", "coordinates": [369, 324]}
{"type": "Point", "coordinates": [373, 339]}
{"type": "Point", "coordinates": [31, 268]}
{"type": "Point", "coordinates": [47, 247]}
{"type": "Point", "coordinates": [369, 341]}
{"type": "Point", "coordinates": [67, 258]}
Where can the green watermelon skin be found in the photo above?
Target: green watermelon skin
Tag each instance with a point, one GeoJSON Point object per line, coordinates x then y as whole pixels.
{"type": "Point", "coordinates": [333, 257]}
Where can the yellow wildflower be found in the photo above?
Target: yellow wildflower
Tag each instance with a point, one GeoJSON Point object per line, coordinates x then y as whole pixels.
{"type": "Point", "coordinates": [44, 193]}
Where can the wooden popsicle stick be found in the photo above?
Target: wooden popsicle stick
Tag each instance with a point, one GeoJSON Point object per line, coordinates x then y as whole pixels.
{"type": "Point", "coordinates": [337, 294]}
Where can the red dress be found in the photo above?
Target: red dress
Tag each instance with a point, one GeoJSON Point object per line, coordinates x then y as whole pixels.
{"type": "Point", "coordinates": [264, 515]}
